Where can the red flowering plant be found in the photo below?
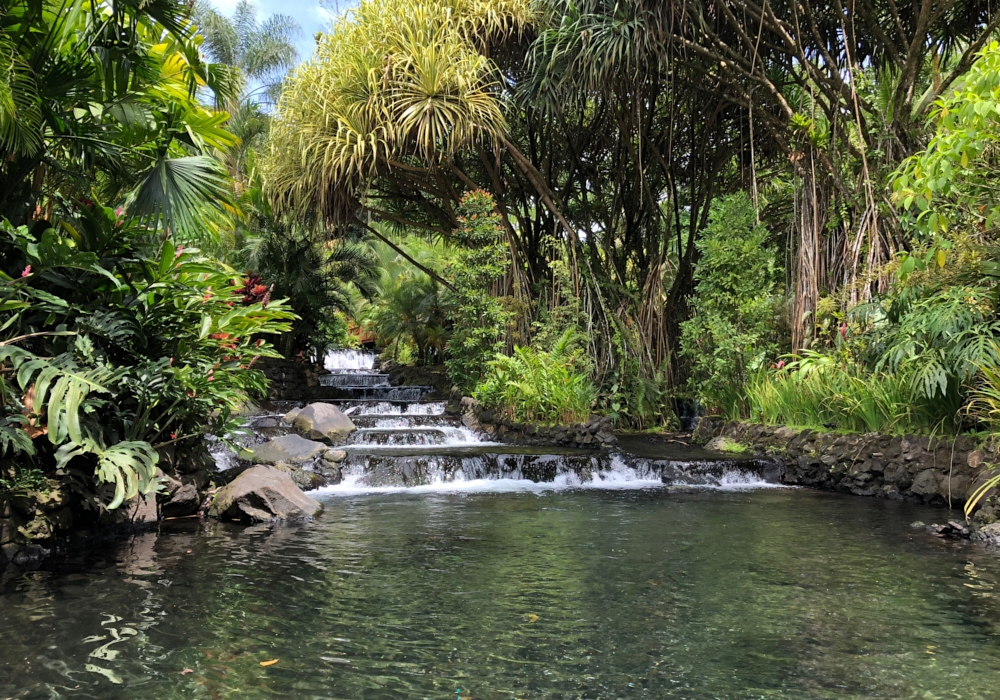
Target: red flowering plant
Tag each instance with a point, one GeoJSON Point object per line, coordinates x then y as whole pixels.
{"type": "Point", "coordinates": [114, 345]}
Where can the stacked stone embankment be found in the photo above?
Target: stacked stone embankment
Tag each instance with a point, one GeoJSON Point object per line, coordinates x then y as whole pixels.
{"type": "Point", "coordinates": [916, 468]}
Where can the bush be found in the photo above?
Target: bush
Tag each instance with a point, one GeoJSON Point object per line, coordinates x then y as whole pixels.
{"type": "Point", "coordinates": [732, 329]}
{"type": "Point", "coordinates": [822, 391]}
{"type": "Point", "coordinates": [116, 342]}
{"type": "Point", "coordinates": [534, 386]}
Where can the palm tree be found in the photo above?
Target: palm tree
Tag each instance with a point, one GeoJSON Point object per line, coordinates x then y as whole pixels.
{"type": "Point", "coordinates": [98, 102]}
{"type": "Point", "coordinates": [398, 84]}
{"type": "Point", "coordinates": [261, 52]}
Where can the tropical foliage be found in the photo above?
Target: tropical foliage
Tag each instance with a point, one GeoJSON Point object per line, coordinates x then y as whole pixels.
{"type": "Point", "coordinates": [118, 335]}
{"type": "Point", "coordinates": [732, 330]}
{"type": "Point", "coordinates": [119, 342]}
{"type": "Point", "coordinates": [540, 386]}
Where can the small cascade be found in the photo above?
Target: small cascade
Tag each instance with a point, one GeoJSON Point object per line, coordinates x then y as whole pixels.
{"type": "Point", "coordinates": [349, 360]}
{"type": "Point", "coordinates": [500, 471]}
{"type": "Point", "coordinates": [351, 379]}
{"type": "Point", "coordinates": [397, 408]}
{"type": "Point", "coordinates": [405, 442]}
{"type": "Point", "coordinates": [444, 435]}
{"type": "Point", "coordinates": [374, 393]}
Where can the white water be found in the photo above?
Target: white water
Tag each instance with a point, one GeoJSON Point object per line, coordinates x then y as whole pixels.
{"type": "Point", "coordinates": [403, 435]}
{"type": "Point", "coordinates": [349, 360]}
{"type": "Point", "coordinates": [412, 409]}
{"type": "Point", "coordinates": [620, 477]}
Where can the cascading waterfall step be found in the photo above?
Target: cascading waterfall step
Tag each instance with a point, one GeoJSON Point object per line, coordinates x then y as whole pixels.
{"type": "Point", "coordinates": [404, 441]}
{"type": "Point", "coordinates": [405, 420]}
{"type": "Point", "coordinates": [413, 436]}
{"type": "Point", "coordinates": [374, 393]}
{"type": "Point", "coordinates": [353, 379]}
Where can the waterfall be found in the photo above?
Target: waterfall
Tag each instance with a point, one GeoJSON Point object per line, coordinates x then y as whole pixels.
{"type": "Point", "coordinates": [340, 360]}
{"type": "Point", "coordinates": [405, 443]}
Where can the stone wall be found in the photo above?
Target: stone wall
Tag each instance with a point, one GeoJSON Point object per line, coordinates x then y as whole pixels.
{"type": "Point", "coordinates": [912, 468]}
{"type": "Point", "coordinates": [596, 432]}
{"type": "Point", "coordinates": [290, 380]}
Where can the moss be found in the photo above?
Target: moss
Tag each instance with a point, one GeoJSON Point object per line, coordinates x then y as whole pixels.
{"type": "Point", "coordinates": [733, 447]}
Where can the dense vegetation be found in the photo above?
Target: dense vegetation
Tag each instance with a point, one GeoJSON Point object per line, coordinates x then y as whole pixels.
{"type": "Point", "coordinates": [692, 190]}
{"type": "Point", "coordinates": [783, 212]}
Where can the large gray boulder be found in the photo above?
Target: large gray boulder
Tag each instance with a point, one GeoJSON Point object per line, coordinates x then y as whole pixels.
{"type": "Point", "coordinates": [262, 494]}
{"type": "Point", "coordinates": [321, 421]}
{"type": "Point", "coordinates": [287, 449]}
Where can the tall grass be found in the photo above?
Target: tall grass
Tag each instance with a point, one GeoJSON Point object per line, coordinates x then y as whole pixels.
{"type": "Point", "coordinates": [844, 396]}
{"type": "Point", "coordinates": [535, 386]}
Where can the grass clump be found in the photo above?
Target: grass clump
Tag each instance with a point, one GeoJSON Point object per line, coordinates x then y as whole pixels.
{"type": "Point", "coordinates": [817, 391]}
{"type": "Point", "coordinates": [538, 386]}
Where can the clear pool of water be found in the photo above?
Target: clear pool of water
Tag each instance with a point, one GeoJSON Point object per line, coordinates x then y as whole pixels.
{"type": "Point", "coordinates": [652, 593]}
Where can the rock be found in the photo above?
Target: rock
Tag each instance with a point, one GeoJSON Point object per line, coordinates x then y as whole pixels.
{"type": "Point", "coordinates": [925, 483]}
{"type": "Point", "coordinates": [467, 404]}
{"type": "Point", "coordinates": [335, 456]}
{"type": "Point", "coordinates": [183, 501]}
{"type": "Point", "coordinates": [989, 534]}
{"type": "Point", "coordinates": [955, 487]}
{"type": "Point", "coordinates": [323, 421]}
{"type": "Point", "coordinates": [290, 416]}
{"type": "Point", "coordinates": [717, 443]}
{"type": "Point", "coordinates": [39, 528]}
{"type": "Point", "coordinates": [142, 510]}
{"type": "Point", "coordinates": [305, 480]}
{"type": "Point", "coordinates": [287, 449]}
{"type": "Point", "coordinates": [952, 530]}
{"type": "Point", "coordinates": [262, 494]}
{"type": "Point", "coordinates": [918, 524]}
{"type": "Point", "coordinates": [51, 499]}
{"type": "Point", "coordinates": [7, 530]}
{"type": "Point", "coordinates": [975, 459]}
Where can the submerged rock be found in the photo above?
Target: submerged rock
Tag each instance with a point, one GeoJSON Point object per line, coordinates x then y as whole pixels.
{"type": "Point", "coordinates": [287, 449]}
{"type": "Point", "coordinates": [988, 534]}
{"type": "Point", "coordinates": [335, 456]}
{"type": "Point", "coordinates": [262, 494]}
{"type": "Point", "coordinates": [323, 421]}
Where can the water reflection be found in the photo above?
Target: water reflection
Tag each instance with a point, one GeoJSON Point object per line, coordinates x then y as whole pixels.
{"type": "Point", "coordinates": [777, 594]}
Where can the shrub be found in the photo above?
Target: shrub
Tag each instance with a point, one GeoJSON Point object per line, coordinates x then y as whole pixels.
{"type": "Point", "coordinates": [536, 386]}
{"type": "Point", "coordinates": [824, 391]}
{"type": "Point", "coordinates": [116, 342]}
{"type": "Point", "coordinates": [731, 331]}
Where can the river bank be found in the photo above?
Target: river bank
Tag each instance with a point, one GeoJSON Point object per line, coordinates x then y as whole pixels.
{"type": "Point", "coordinates": [940, 471]}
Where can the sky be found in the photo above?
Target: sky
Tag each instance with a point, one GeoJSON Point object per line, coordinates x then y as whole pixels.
{"type": "Point", "coordinates": [308, 13]}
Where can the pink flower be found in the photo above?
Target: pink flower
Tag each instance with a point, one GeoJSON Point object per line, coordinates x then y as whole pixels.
{"type": "Point", "coordinates": [171, 363]}
{"type": "Point", "coordinates": [179, 251]}
{"type": "Point", "coordinates": [843, 330]}
{"type": "Point", "coordinates": [781, 364]}
{"type": "Point", "coordinates": [26, 271]}
{"type": "Point", "coordinates": [173, 436]}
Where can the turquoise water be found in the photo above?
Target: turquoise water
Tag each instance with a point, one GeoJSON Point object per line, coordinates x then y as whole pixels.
{"type": "Point", "coordinates": [652, 593]}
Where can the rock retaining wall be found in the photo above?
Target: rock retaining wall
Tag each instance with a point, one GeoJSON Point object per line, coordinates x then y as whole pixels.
{"type": "Point", "coordinates": [596, 432]}
{"type": "Point", "coordinates": [912, 468]}
{"type": "Point", "coordinates": [290, 380]}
